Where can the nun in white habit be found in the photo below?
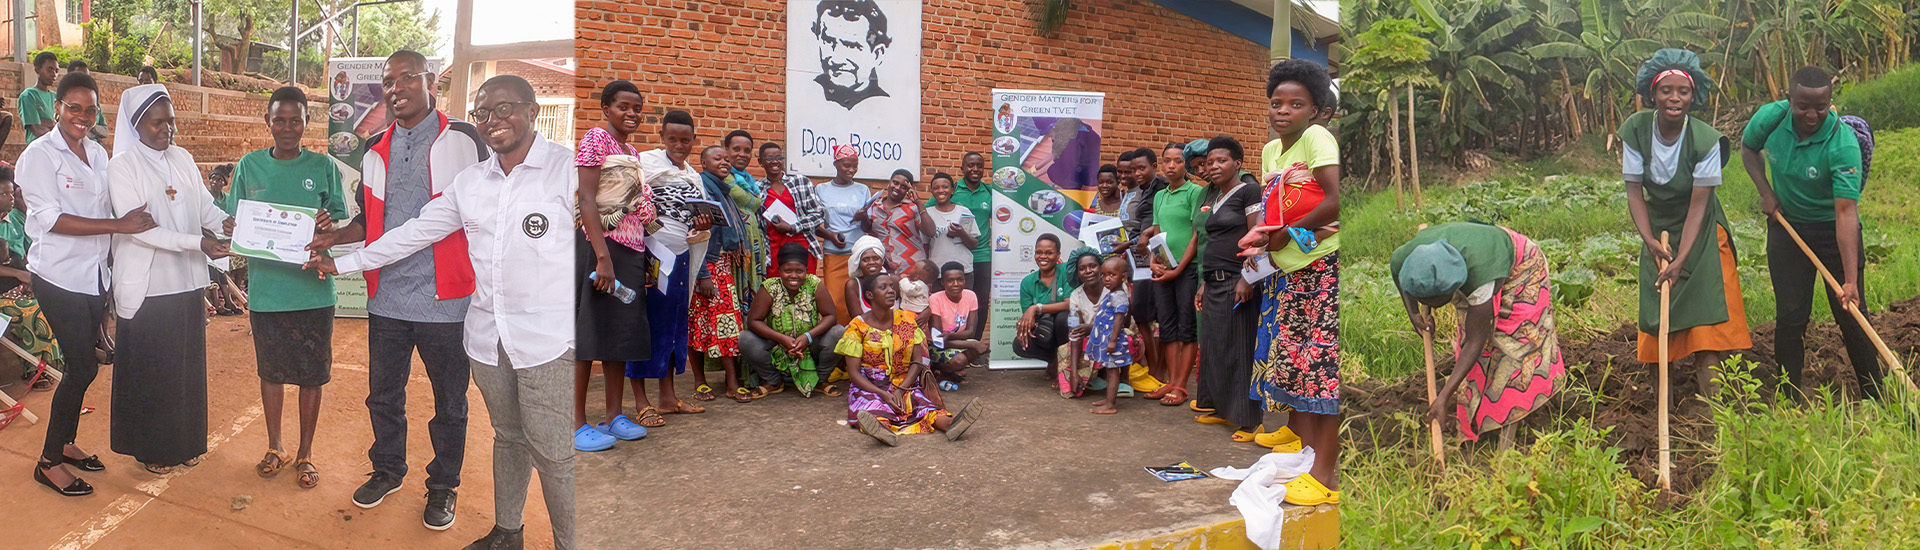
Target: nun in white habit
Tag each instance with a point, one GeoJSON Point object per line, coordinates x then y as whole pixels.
{"type": "Point", "coordinates": [160, 382]}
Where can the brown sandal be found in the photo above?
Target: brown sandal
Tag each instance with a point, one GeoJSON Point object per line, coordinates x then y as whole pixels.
{"type": "Point", "coordinates": [271, 464]}
{"type": "Point", "coordinates": [832, 391]}
{"type": "Point", "coordinates": [1174, 397]}
{"type": "Point", "coordinates": [743, 395]}
{"type": "Point", "coordinates": [650, 418]}
{"type": "Point", "coordinates": [310, 476]}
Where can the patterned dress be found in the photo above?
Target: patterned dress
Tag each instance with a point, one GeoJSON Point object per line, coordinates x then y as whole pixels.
{"type": "Point", "coordinates": [1521, 366]}
{"type": "Point", "coordinates": [899, 228]}
{"type": "Point", "coordinates": [715, 326]}
{"type": "Point", "coordinates": [1112, 307]}
{"type": "Point", "coordinates": [886, 357]}
{"type": "Point", "coordinates": [1296, 352]}
{"type": "Point", "coordinates": [793, 313]}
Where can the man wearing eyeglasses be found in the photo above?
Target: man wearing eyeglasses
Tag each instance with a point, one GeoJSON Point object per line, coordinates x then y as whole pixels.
{"type": "Point", "coordinates": [516, 209]}
{"type": "Point", "coordinates": [418, 301]}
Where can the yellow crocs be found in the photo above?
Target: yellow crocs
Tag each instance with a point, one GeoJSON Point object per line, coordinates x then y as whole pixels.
{"type": "Point", "coordinates": [1274, 439]}
{"type": "Point", "coordinates": [1307, 491]}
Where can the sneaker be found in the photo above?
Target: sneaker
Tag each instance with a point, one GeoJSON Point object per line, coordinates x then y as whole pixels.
{"type": "Point", "coordinates": [499, 538]}
{"type": "Point", "coordinates": [439, 515]}
{"type": "Point", "coordinates": [588, 439]}
{"type": "Point", "coordinates": [375, 490]}
{"type": "Point", "coordinates": [623, 429]}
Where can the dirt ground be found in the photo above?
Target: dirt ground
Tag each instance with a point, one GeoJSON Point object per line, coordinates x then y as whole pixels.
{"type": "Point", "coordinates": [222, 503]}
{"type": "Point", "coordinates": [1038, 471]}
{"type": "Point", "coordinates": [1621, 393]}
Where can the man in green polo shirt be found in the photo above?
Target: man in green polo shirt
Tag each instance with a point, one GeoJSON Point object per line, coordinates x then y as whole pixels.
{"type": "Point", "coordinates": [292, 307]}
{"type": "Point", "coordinates": [974, 194]}
{"type": "Point", "coordinates": [36, 102]}
{"type": "Point", "coordinates": [1815, 185]}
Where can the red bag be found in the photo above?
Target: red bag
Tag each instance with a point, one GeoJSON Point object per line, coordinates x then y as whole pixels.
{"type": "Point", "coordinates": [1291, 193]}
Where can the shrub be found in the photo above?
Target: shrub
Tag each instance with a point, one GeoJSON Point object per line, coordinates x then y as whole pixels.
{"type": "Point", "coordinates": [1886, 102]}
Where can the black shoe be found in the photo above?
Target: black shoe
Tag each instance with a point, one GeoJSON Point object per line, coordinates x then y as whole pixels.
{"type": "Point", "coordinates": [80, 488]}
{"type": "Point", "coordinates": [88, 464]}
{"type": "Point", "coordinates": [378, 486]}
{"type": "Point", "coordinates": [439, 515]}
{"type": "Point", "coordinates": [498, 539]}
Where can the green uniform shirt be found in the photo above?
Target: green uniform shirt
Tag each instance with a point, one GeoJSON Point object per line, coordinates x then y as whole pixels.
{"type": "Point", "coordinates": [14, 231]}
{"type": "Point", "coordinates": [1173, 212]}
{"type": "Point", "coordinates": [1807, 174]}
{"type": "Point", "coordinates": [980, 202]}
{"type": "Point", "coordinates": [1486, 248]}
{"type": "Point", "coordinates": [1033, 292]}
{"type": "Point", "coordinates": [311, 181]}
{"type": "Point", "coordinates": [36, 107]}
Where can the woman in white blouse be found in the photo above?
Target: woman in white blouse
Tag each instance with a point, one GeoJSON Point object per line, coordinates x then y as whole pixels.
{"type": "Point", "coordinates": [160, 382]}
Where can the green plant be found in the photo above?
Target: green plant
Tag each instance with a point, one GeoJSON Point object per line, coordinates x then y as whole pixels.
{"type": "Point", "coordinates": [1886, 102]}
{"type": "Point", "coordinates": [64, 53]}
{"type": "Point", "coordinates": [97, 43]}
{"type": "Point", "coordinates": [1050, 15]}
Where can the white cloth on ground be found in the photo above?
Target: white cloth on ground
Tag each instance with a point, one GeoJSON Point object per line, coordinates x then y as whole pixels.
{"type": "Point", "coordinates": [1262, 490]}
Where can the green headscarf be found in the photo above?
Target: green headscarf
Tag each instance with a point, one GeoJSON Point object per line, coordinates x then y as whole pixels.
{"type": "Point", "coordinates": [1195, 149]}
{"type": "Point", "coordinates": [1433, 269]}
{"type": "Point", "coordinates": [1072, 267]}
{"type": "Point", "coordinates": [1673, 59]}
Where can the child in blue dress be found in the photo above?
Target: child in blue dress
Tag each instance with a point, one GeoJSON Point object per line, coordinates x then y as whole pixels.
{"type": "Point", "coordinates": [1109, 346]}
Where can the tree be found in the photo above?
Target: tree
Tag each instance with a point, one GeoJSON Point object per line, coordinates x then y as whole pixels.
{"type": "Point", "coordinates": [1392, 56]}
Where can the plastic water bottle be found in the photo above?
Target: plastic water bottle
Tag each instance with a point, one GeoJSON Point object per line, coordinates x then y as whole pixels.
{"type": "Point", "coordinates": [620, 291]}
{"type": "Point", "coordinates": [1073, 318]}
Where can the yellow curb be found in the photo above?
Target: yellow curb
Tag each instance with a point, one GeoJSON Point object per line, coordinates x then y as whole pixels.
{"type": "Point", "coordinates": [1307, 528]}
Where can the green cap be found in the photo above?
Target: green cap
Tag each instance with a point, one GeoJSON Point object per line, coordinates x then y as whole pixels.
{"type": "Point", "coordinates": [1433, 269]}
{"type": "Point", "coordinates": [1195, 149]}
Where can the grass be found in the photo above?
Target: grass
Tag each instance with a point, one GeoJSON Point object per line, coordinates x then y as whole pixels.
{"type": "Point", "coordinates": [1575, 207]}
{"type": "Point", "coordinates": [1825, 475]}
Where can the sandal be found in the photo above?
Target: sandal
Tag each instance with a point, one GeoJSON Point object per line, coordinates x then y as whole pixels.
{"type": "Point", "coordinates": [1307, 491]}
{"type": "Point", "coordinates": [1243, 436]}
{"type": "Point", "coordinates": [831, 390]}
{"type": "Point", "coordinates": [157, 469]}
{"type": "Point", "coordinates": [703, 392]}
{"type": "Point", "coordinates": [685, 408]}
{"type": "Point", "coordinates": [743, 395]}
{"type": "Point", "coordinates": [650, 418]}
{"type": "Point", "coordinates": [309, 475]}
{"type": "Point", "coordinates": [1195, 407]}
{"type": "Point", "coordinates": [271, 464]}
{"type": "Point", "coordinates": [1211, 419]}
{"type": "Point", "coordinates": [1174, 397]}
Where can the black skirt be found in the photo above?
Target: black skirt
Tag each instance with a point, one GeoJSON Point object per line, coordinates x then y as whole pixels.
{"type": "Point", "coordinates": [605, 328]}
{"type": "Point", "coordinates": [160, 380]}
{"type": "Point", "coordinates": [294, 347]}
{"type": "Point", "coordinates": [1226, 353]}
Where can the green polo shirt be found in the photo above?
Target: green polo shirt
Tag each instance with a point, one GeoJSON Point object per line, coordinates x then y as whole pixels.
{"type": "Point", "coordinates": [1033, 292]}
{"type": "Point", "coordinates": [980, 202]}
{"type": "Point", "coordinates": [1173, 212]}
{"type": "Point", "coordinates": [311, 180]}
{"type": "Point", "coordinates": [36, 107]}
{"type": "Point", "coordinates": [1807, 174]}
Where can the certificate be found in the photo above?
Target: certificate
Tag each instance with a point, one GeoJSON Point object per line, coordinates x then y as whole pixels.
{"type": "Point", "coordinates": [272, 231]}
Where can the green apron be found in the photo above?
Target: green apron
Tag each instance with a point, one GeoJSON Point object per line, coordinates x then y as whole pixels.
{"type": "Point", "coordinates": [1699, 294]}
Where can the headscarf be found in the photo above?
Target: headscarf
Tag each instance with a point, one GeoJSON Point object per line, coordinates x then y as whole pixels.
{"type": "Point", "coordinates": [845, 152]}
{"type": "Point", "coordinates": [1072, 265]}
{"type": "Point", "coordinates": [1195, 149]}
{"type": "Point", "coordinates": [860, 248]}
{"type": "Point", "coordinates": [134, 103]}
{"type": "Point", "coordinates": [1673, 60]}
{"type": "Point", "coordinates": [1433, 269]}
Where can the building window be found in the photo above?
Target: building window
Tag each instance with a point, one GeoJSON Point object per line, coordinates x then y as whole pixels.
{"type": "Point", "coordinates": [556, 120]}
{"type": "Point", "coordinates": [74, 10]}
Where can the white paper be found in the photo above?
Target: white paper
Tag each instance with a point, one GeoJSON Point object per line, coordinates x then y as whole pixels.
{"type": "Point", "coordinates": [778, 212]}
{"type": "Point", "coordinates": [272, 231]}
{"type": "Point", "coordinates": [934, 338]}
{"type": "Point", "coordinates": [1091, 233]}
{"type": "Point", "coordinates": [224, 264]}
{"type": "Point", "coordinates": [662, 253]}
{"type": "Point", "coordinates": [1141, 270]}
{"type": "Point", "coordinates": [1262, 268]}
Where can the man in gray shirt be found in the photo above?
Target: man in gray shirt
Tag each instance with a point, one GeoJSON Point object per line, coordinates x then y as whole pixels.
{"type": "Point", "coordinates": [420, 302]}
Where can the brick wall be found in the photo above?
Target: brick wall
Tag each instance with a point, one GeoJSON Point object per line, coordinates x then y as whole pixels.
{"type": "Point", "coordinates": [546, 81]}
{"type": "Point", "coordinates": [217, 126]}
{"type": "Point", "coordinates": [1166, 76]}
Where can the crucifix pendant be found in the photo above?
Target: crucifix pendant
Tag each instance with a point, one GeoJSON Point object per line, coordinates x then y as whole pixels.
{"type": "Point", "coordinates": [171, 192]}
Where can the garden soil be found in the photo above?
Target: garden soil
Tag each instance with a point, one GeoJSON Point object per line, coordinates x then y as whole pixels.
{"type": "Point", "coordinates": [1614, 390]}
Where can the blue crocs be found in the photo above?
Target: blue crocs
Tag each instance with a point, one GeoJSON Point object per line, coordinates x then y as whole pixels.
{"type": "Point", "coordinates": [1098, 383]}
{"type": "Point", "coordinates": [1126, 390]}
{"type": "Point", "coordinates": [588, 439]}
{"type": "Point", "coordinates": [1304, 238]}
{"type": "Point", "coordinates": [623, 429]}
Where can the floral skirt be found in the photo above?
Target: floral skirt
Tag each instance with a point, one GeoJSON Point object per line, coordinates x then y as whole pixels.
{"type": "Point", "coordinates": [1521, 365]}
{"type": "Point", "coordinates": [715, 325]}
{"type": "Point", "coordinates": [1296, 356]}
{"type": "Point", "coordinates": [917, 421]}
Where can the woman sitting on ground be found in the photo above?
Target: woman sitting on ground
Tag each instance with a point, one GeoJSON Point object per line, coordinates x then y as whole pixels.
{"type": "Point", "coordinates": [886, 357]}
{"type": "Point", "coordinates": [1508, 359]}
{"type": "Point", "coordinates": [791, 329]}
{"type": "Point", "coordinates": [869, 258]}
{"type": "Point", "coordinates": [1074, 377]}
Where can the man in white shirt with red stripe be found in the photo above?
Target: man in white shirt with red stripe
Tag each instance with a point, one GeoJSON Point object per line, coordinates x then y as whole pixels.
{"type": "Point", "coordinates": [514, 210]}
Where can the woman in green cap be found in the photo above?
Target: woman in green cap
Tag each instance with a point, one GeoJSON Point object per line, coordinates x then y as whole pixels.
{"type": "Point", "coordinates": [1671, 163]}
{"type": "Point", "coordinates": [1507, 359]}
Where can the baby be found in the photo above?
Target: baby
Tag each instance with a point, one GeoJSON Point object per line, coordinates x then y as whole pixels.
{"type": "Point", "coordinates": [1109, 346]}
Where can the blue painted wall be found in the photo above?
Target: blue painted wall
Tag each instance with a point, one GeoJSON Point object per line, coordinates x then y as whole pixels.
{"type": "Point", "coordinates": [1243, 22]}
